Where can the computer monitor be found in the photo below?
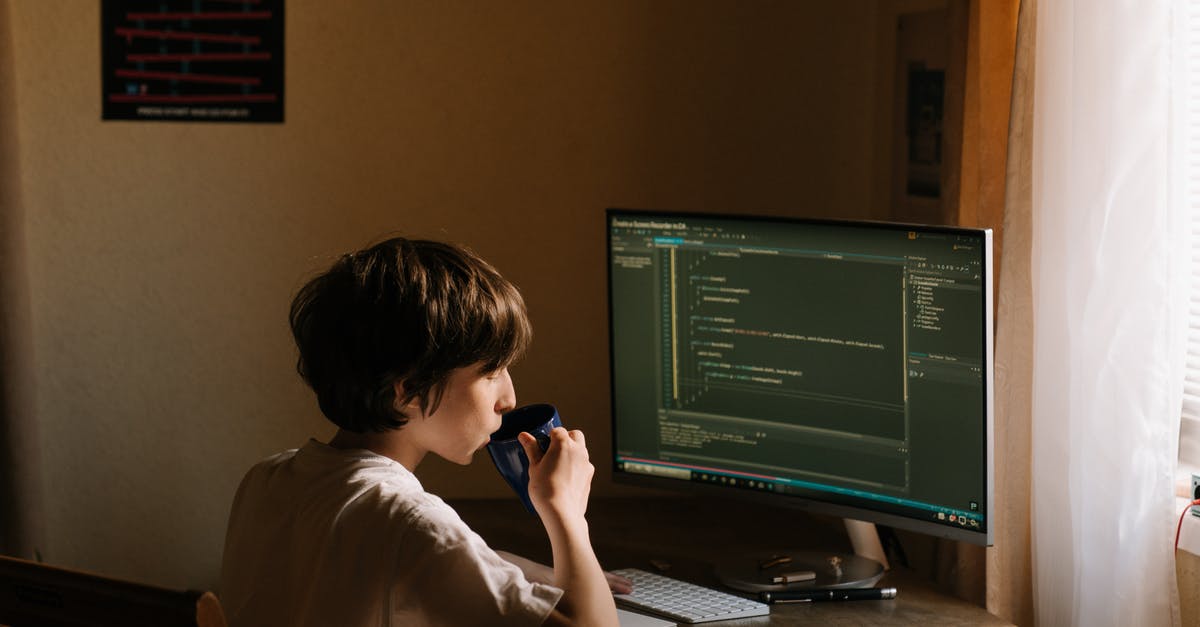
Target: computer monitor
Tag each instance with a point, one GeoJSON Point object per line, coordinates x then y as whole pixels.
{"type": "Point", "coordinates": [839, 366]}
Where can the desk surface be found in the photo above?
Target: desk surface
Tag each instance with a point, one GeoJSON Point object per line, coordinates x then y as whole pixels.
{"type": "Point", "coordinates": [631, 532]}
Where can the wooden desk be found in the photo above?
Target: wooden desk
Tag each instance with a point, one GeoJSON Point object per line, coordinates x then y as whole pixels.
{"type": "Point", "coordinates": [691, 535]}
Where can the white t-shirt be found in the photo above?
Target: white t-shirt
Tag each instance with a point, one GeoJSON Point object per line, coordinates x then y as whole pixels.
{"type": "Point", "coordinates": [322, 536]}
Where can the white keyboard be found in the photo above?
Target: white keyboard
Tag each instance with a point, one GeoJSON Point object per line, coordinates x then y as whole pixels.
{"type": "Point", "coordinates": [683, 601]}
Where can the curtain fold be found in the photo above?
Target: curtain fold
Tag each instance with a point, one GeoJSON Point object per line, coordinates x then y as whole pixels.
{"type": "Point", "coordinates": [20, 502]}
{"type": "Point", "coordinates": [1009, 562]}
{"type": "Point", "coordinates": [1108, 333]}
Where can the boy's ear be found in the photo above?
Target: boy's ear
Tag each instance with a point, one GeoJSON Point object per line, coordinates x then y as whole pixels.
{"type": "Point", "coordinates": [398, 389]}
{"type": "Point", "coordinates": [411, 408]}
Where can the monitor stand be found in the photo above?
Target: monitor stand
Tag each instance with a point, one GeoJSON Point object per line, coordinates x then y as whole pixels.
{"type": "Point", "coordinates": [791, 570]}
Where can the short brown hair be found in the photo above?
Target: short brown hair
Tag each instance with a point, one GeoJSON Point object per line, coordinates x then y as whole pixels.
{"type": "Point", "coordinates": [402, 310]}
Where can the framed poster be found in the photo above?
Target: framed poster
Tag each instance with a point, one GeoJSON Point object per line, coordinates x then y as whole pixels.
{"type": "Point", "coordinates": [192, 60]}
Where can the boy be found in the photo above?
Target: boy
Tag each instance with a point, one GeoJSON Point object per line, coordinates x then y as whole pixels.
{"type": "Point", "coordinates": [407, 345]}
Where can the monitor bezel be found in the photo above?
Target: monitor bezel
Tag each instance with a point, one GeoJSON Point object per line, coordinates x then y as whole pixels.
{"type": "Point", "coordinates": [810, 503]}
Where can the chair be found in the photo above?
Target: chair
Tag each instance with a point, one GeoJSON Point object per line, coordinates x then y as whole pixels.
{"type": "Point", "coordinates": [33, 594]}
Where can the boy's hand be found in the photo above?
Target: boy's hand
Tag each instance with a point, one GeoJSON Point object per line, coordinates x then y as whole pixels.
{"type": "Point", "coordinates": [560, 479]}
{"type": "Point", "coordinates": [559, 483]}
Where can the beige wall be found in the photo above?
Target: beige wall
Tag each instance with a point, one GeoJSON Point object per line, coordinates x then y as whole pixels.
{"type": "Point", "coordinates": [162, 256]}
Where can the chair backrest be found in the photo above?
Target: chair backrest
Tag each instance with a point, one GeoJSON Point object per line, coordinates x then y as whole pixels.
{"type": "Point", "coordinates": [48, 596]}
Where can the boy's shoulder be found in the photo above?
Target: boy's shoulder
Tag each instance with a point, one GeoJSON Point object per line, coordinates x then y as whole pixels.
{"type": "Point", "coordinates": [361, 480]}
{"type": "Point", "coordinates": [321, 476]}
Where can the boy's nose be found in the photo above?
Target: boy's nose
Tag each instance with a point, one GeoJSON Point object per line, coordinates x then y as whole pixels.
{"type": "Point", "coordinates": [508, 396]}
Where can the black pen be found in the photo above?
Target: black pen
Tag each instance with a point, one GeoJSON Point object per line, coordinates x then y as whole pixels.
{"type": "Point", "coordinates": [847, 594]}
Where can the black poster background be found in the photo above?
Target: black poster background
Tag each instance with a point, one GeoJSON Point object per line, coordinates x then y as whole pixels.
{"type": "Point", "coordinates": [193, 60]}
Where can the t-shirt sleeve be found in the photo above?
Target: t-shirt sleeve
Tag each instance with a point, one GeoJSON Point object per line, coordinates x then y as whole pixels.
{"type": "Point", "coordinates": [450, 576]}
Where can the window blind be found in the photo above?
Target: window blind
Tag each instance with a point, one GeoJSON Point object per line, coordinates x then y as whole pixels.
{"type": "Point", "coordinates": [1186, 172]}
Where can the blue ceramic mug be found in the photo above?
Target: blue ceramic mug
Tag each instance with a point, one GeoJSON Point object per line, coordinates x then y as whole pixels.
{"type": "Point", "coordinates": [507, 452]}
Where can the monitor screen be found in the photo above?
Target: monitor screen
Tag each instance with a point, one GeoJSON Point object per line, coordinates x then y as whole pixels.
{"type": "Point", "coordinates": [839, 366]}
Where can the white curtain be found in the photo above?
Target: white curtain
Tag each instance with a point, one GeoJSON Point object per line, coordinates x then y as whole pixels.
{"type": "Point", "coordinates": [1109, 309]}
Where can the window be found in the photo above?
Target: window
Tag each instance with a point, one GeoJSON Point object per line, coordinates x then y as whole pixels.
{"type": "Point", "coordinates": [1186, 188]}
